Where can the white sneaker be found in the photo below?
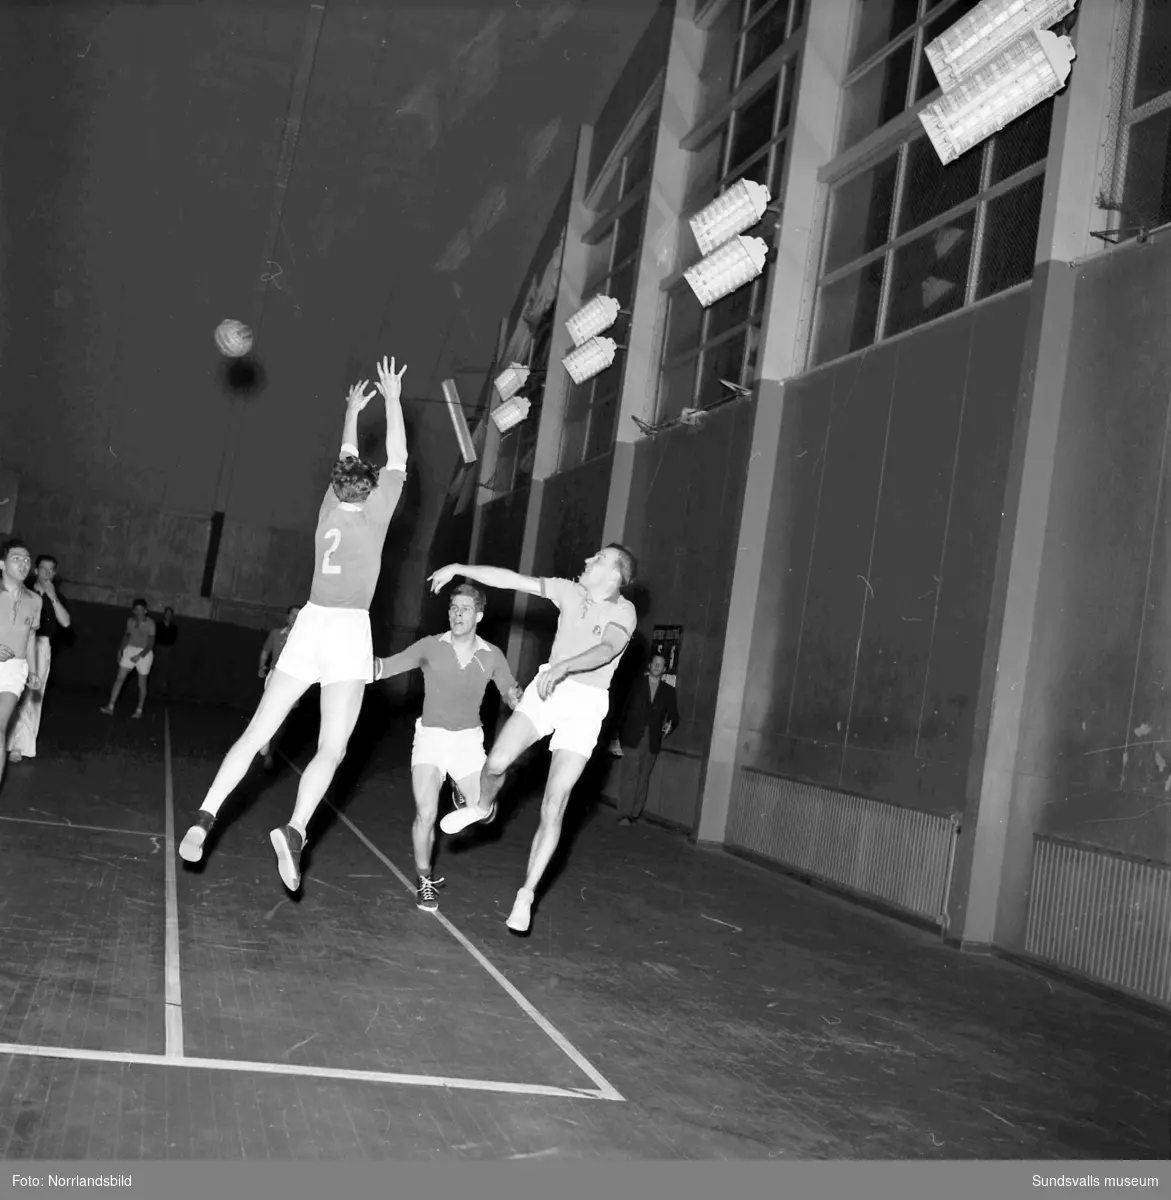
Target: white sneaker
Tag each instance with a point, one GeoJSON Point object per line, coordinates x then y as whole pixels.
{"type": "Point", "coordinates": [460, 818]}
{"type": "Point", "coordinates": [522, 912]}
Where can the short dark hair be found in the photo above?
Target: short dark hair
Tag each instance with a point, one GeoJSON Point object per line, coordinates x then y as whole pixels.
{"type": "Point", "coordinates": [142, 602]}
{"type": "Point", "coordinates": [15, 543]}
{"type": "Point", "coordinates": [473, 593]}
{"type": "Point", "coordinates": [353, 479]}
{"type": "Point", "coordinates": [44, 558]}
{"type": "Point", "coordinates": [627, 565]}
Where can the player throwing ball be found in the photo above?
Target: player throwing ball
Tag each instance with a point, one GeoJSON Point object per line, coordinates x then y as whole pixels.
{"type": "Point", "coordinates": [566, 702]}
{"type": "Point", "coordinates": [449, 739]}
{"type": "Point", "coordinates": [330, 642]}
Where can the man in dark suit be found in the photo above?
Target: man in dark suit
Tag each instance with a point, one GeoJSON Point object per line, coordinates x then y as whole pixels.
{"type": "Point", "coordinates": [650, 714]}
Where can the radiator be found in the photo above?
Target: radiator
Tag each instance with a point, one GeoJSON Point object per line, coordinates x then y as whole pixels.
{"type": "Point", "coordinates": [900, 856]}
{"type": "Point", "coordinates": [1102, 915]}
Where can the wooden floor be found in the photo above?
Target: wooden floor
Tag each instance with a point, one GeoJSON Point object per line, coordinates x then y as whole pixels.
{"type": "Point", "coordinates": [670, 1003]}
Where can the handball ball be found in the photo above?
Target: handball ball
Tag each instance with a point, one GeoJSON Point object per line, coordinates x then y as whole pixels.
{"type": "Point", "coordinates": [233, 339]}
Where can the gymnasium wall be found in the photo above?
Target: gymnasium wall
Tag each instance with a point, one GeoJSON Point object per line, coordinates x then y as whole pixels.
{"type": "Point", "coordinates": [874, 603]}
{"type": "Point", "coordinates": [1095, 734]}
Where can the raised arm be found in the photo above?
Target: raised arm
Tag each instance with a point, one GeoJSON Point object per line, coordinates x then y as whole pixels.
{"type": "Point", "coordinates": [390, 385]}
{"type": "Point", "coordinates": [355, 402]}
{"type": "Point", "coordinates": [493, 577]}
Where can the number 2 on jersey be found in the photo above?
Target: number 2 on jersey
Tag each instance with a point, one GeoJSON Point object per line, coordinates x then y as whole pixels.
{"type": "Point", "coordinates": [328, 567]}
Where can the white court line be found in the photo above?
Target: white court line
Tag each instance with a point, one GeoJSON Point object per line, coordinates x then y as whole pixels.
{"type": "Point", "coordinates": [173, 996]}
{"type": "Point", "coordinates": [87, 828]}
{"type": "Point", "coordinates": [263, 1068]}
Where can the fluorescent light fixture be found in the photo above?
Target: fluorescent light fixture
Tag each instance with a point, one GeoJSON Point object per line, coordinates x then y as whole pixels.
{"type": "Point", "coordinates": [459, 422]}
{"type": "Point", "coordinates": [1017, 80]}
{"type": "Point", "coordinates": [511, 413]}
{"type": "Point", "coordinates": [730, 267]}
{"type": "Point", "coordinates": [591, 359]}
{"type": "Point", "coordinates": [596, 317]}
{"type": "Point", "coordinates": [511, 380]}
{"type": "Point", "coordinates": [730, 213]}
{"type": "Point", "coordinates": [989, 29]}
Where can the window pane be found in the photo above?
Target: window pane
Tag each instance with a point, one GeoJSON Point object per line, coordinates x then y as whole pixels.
{"type": "Point", "coordinates": [526, 448]}
{"type": "Point", "coordinates": [927, 81]}
{"type": "Point", "coordinates": [638, 161]}
{"type": "Point", "coordinates": [719, 58]}
{"type": "Point", "coordinates": [758, 170]}
{"type": "Point", "coordinates": [929, 275]}
{"type": "Point", "coordinates": [598, 262]}
{"type": "Point", "coordinates": [704, 167]}
{"type": "Point", "coordinates": [573, 434]}
{"type": "Point", "coordinates": [1010, 238]}
{"type": "Point", "coordinates": [1146, 193]}
{"type": "Point", "coordinates": [753, 125]}
{"type": "Point", "coordinates": [1152, 76]}
{"type": "Point", "coordinates": [610, 193]}
{"type": "Point", "coordinates": [878, 22]}
{"type": "Point", "coordinates": [930, 188]}
{"type": "Point", "coordinates": [676, 386]}
{"type": "Point", "coordinates": [505, 462]}
{"type": "Point", "coordinates": [620, 286]}
{"type": "Point", "coordinates": [728, 312]}
{"type": "Point", "coordinates": [684, 317]}
{"type": "Point", "coordinates": [764, 37]}
{"type": "Point", "coordinates": [879, 96]}
{"type": "Point", "coordinates": [629, 232]}
{"type": "Point", "coordinates": [1024, 142]}
{"type": "Point", "coordinates": [725, 361]}
{"type": "Point", "coordinates": [788, 82]}
{"type": "Point", "coordinates": [848, 313]}
{"type": "Point", "coordinates": [860, 212]}
{"type": "Point", "coordinates": [603, 416]}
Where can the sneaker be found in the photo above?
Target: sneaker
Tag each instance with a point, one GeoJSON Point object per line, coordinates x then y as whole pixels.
{"type": "Point", "coordinates": [108, 709]}
{"type": "Point", "coordinates": [191, 847]}
{"type": "Point", "coordinates": [288, 844]}
{"type": "Point", "coordinates": [428, 897]}
{"type": "Point", "coordinates": [521, 916]}
{"type": "Point", "coordinates": [460, 818]}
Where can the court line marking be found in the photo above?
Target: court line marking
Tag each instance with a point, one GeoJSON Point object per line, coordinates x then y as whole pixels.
{"type": "Point", "coordinates": [606, 1090]}
{"type": "Point", "coordinates": [87, 828]}
{"type": "Point", "coordinates": [240, 1066]}
{"type": "Point", "coordinates": [173, 995]}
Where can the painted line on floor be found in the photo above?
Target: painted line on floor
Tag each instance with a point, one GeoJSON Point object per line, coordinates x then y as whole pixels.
{"type": "Point", "coordinates": [606, 1090]}
{"type": "Point", "coordinates": [173, 995]}
{"type": "Point", "coordinates": [85, 828]}
{"type": "Point", "coordinates": [290, 1069]}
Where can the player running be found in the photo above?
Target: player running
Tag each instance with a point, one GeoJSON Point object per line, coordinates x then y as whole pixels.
{"type": "Point", "coordinates": [330, 642]}
{"type": "Point", "coordinates": [449, 739]}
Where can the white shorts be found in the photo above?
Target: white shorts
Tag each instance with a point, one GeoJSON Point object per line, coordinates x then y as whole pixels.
{"type": "Point", "coordinates": [13, 676]}
{"type": "Point", "coordinates": [573, 714]}
{"type": "Point", "coordinates": [329, 645]}
{"type": "Point", "coordinates": [456, 752]}
{"type": "Point", "coordinates": [142, 666]}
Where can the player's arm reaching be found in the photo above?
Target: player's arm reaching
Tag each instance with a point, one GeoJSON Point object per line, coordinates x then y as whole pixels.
{"type": "Point", "coordinates": [405, 660]}
{"type": "Point", "coordinates": [493, 577]}
{"type": "Point", "coordinates": [33, 682]}
{"type": "Point", "coordinates": [614, 639]}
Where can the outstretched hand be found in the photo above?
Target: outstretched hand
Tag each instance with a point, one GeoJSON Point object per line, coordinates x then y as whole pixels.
{"type": "Point", "coordinates": [443, 577]}
{"type": "Point", "coordinates": [358, 399]}
{"type": "Point", "coordinates": [390, 383]}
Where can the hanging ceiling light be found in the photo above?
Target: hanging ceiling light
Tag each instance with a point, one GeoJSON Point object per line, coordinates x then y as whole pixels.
{"type": "Point", "coordinates": [990, 28]}
{"type": "Point", "coordinates": [732, 266]}
{"type": "Point", "coordinates": [591, 359]}
{"type": "Point", "coordinates": [596, 317]}
{"type": "Point", "coordinates": [730, 213]}
{"type": "Point", "coordinates": [1017, 80]}
{"type": "Point", "coordinates": [511, 380]}
{"type": "Point", "coordinates": [459, 422]}
{"type": "Point", "coordinates": [511, 412]}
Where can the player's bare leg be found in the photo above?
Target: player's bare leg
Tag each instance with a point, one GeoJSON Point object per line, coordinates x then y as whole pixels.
{"type": "Point", "coordinates": [340, 705]}
{"type": "Point", "coordinates": [515, 738]}
{"type": "Point", "coordinates": [8, 704]}
{"type": "Point", "coordinates": [426, 781]}
{"type": "Point", "coordinates": [275, 705]}
{"type": "Point", "coordinates": [564, 772]}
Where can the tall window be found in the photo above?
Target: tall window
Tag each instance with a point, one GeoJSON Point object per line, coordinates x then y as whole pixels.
{"type": "Point", "coordinates": [704, 347]}
{"type": "Point", "coordinates": [908, 239]}
{"type": "Point", "coordinates": [888, 71]}
{"type": "Point", "coordinates": [615, 244]}
{"type": "Point", "coordinates": [1141, 186]}
{"type": "Point", "coordinates": [518, 446]}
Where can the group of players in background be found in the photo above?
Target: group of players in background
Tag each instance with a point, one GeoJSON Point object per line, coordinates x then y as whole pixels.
{"type": "Point", "coordinates": [328, 642]}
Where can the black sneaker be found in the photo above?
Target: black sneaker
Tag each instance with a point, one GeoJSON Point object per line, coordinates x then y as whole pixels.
{"type": "Point", "coordinates": [191, 847]}
{"type": "Point", "coordinates": [427, 896]}
{"type": "Point", "coordinates": [288, 844]}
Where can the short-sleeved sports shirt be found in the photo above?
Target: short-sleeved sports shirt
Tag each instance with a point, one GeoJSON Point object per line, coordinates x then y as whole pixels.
{"type": "Point", "coordinates": [583, 623]}
{"type": "Point", "coordinates": [349, 540]}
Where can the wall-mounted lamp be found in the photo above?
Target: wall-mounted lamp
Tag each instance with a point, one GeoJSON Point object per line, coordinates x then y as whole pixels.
{"type": "Point", "coordinates": [596, 317]}
{"type": "Point", "coordinates": [590, 359]}
{"type": "Point", "coordinates": [729, 214]}
{"type": "Point", "coordinates": [510, 413]}
{"type": "Point", "coordinates": [730, 267]}
{"type": "Point", "coordinates": [511, 380]}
